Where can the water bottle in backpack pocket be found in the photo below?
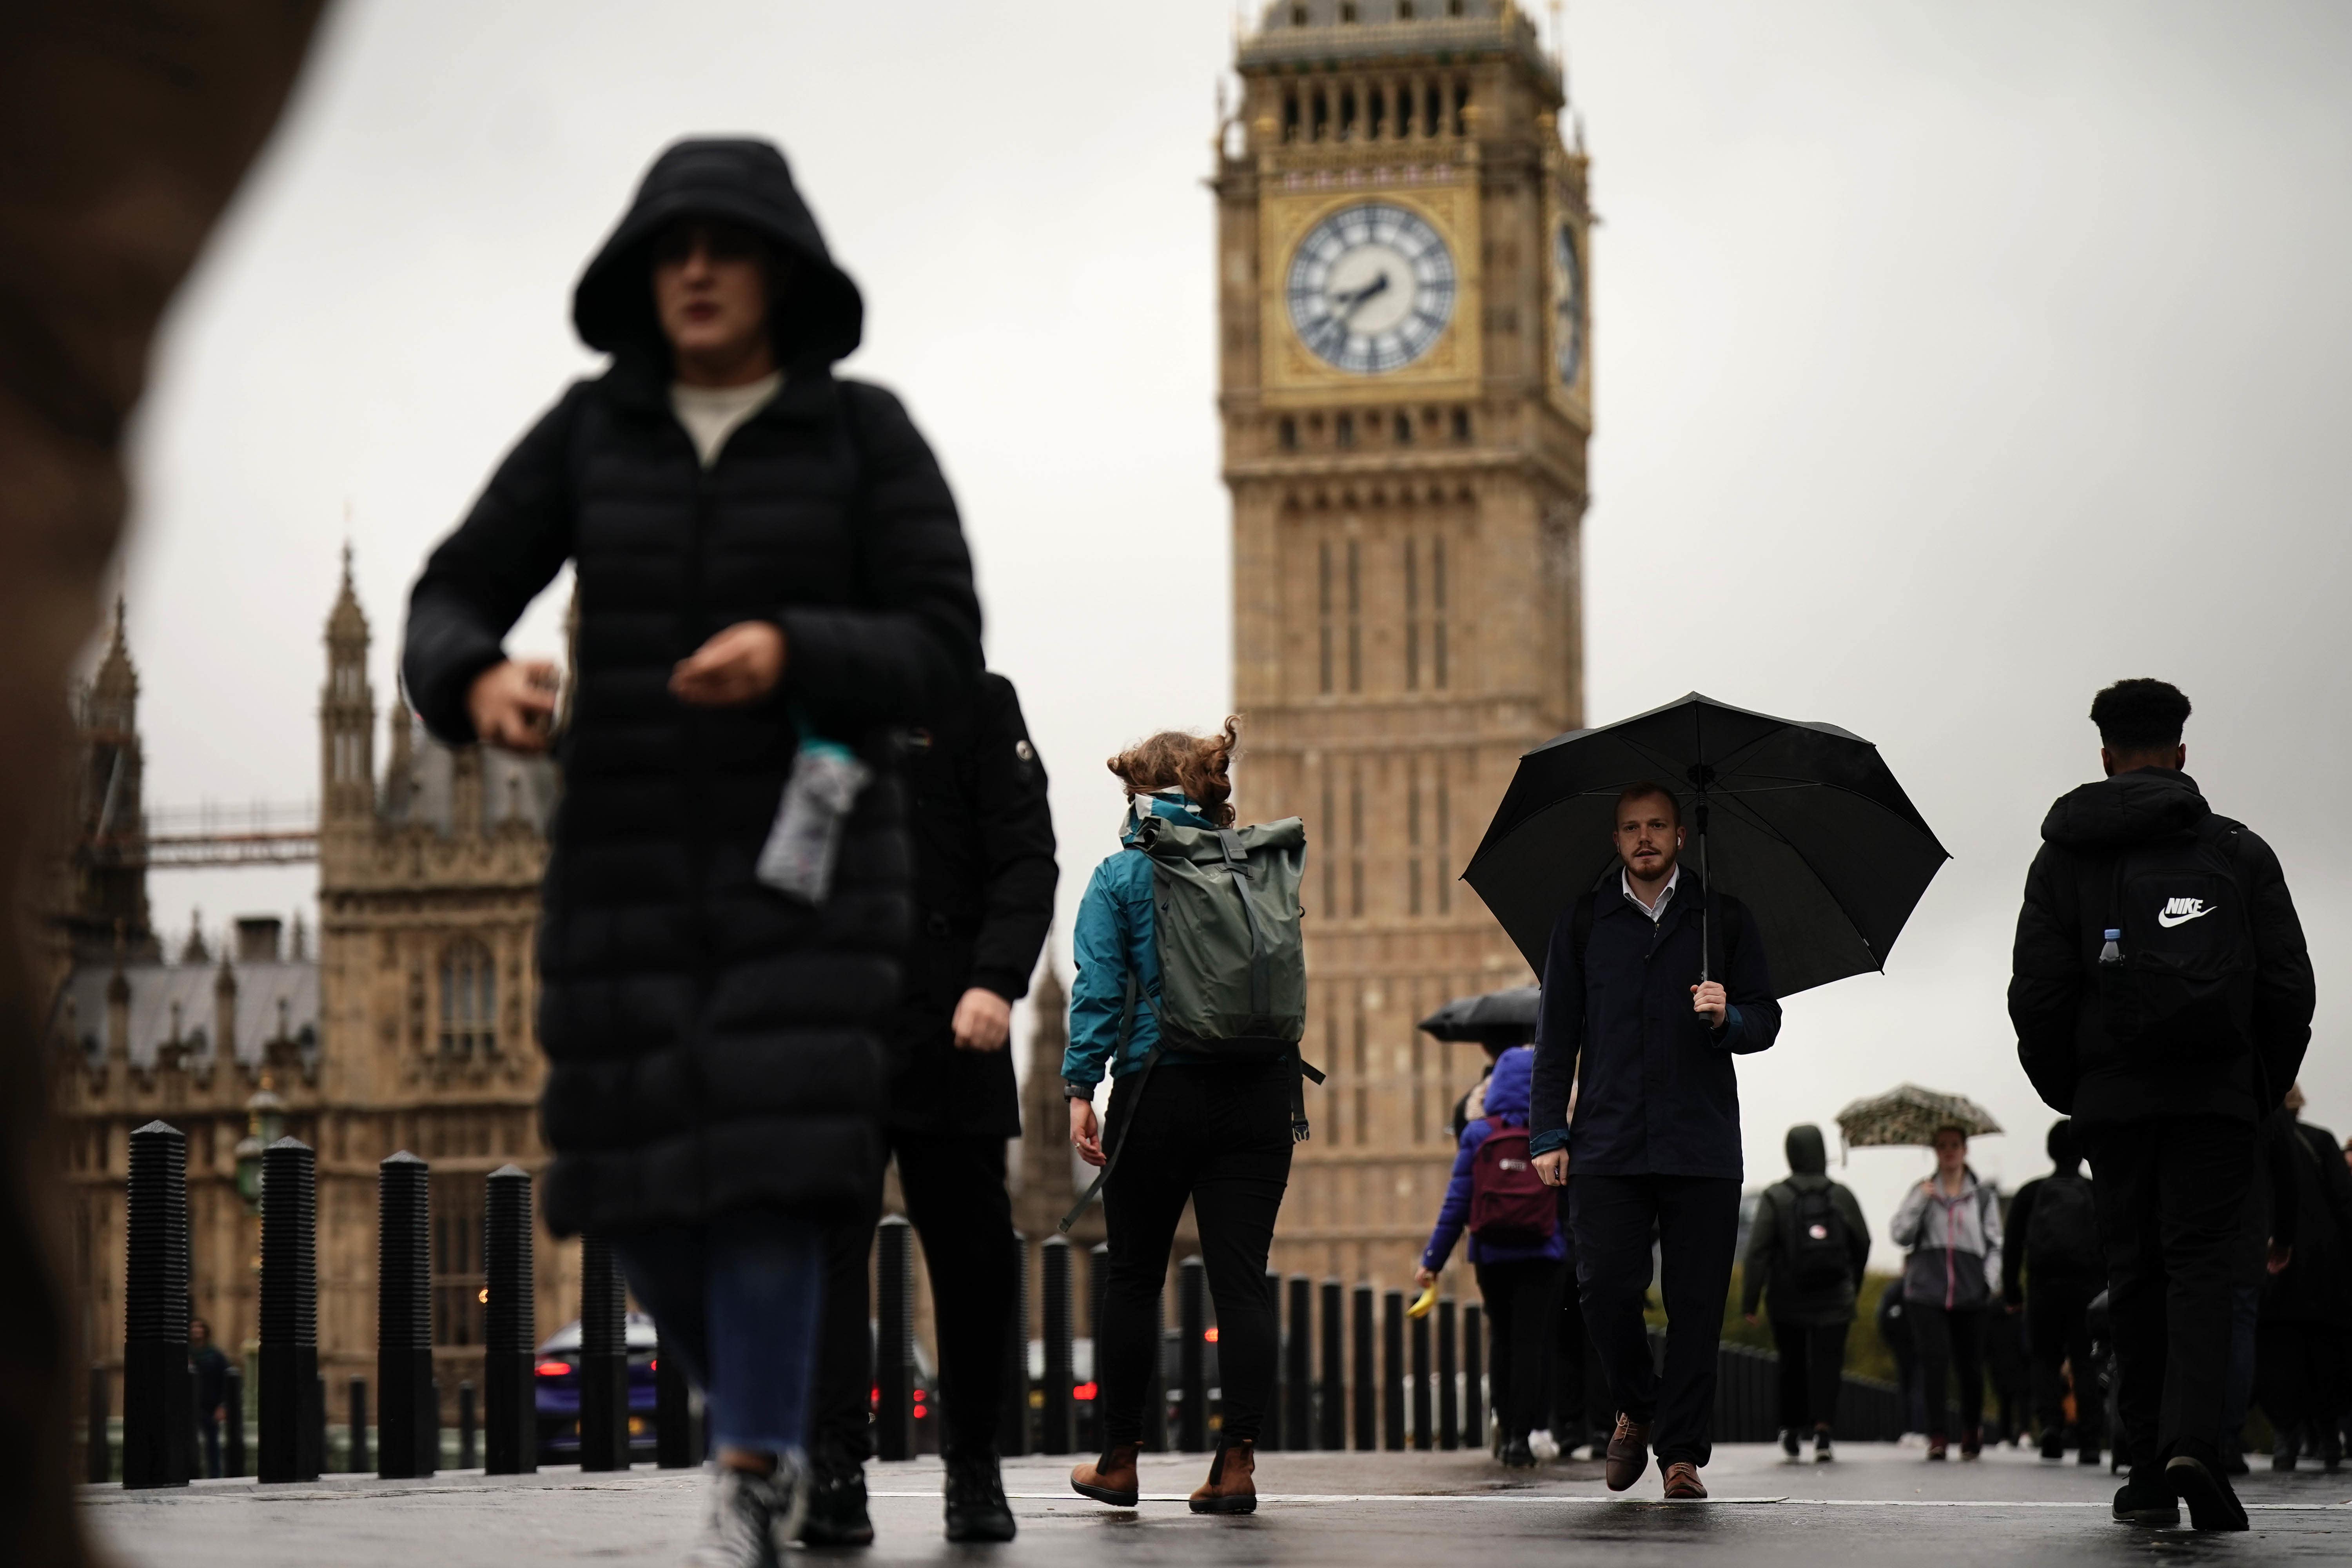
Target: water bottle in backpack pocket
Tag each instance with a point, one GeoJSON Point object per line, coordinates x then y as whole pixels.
{"type": "Point", "coordinates": [2180, 986]}
{"type": "Point", "coordinates": [1509, 1205]}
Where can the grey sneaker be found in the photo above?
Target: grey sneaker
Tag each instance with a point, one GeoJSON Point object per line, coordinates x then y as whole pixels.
{"type": "Point", "coordinates": [751, 1518]}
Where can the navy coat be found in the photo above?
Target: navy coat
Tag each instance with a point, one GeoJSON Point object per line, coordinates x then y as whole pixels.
{"type": "Point", "coordinates": [1658, 1094]}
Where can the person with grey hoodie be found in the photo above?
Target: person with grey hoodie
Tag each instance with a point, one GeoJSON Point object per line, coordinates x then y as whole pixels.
{"type": "Point", "coordinates": [1950, 1227]}
{"type": "Point", "coordinates": [1807, 1244]}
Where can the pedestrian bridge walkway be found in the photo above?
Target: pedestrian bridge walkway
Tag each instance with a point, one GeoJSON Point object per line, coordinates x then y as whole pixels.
{"type": "Point", "coordinates": [1357, 1510]}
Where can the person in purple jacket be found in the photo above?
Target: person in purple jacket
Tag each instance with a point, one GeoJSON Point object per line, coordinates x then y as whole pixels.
{"type": "Point", "coordinates": [1520, 1280]}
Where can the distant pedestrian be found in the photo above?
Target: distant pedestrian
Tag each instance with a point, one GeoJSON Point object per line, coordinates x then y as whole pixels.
{"type": "Point", "coordinates": [771, 582]}
{"type": "Point", "coordinates": [1893, 1324]}
{"type": "Point", "coordinates": [2162, 996]}
{"type": "Point", "coordinates": [1517, 1245]}
{"type": "Point", "coordinates": [1807, 1246]}
{"type": "Point", "coordinates": [210, 1366]}
{"type": "Point", "coordinates": [1950, 1226]}
{"type": "Point", "coordinates": [2303, 1358]}
{"type": "Point", "coordinates": [2048, 1272]}
{"type": "Point", "coordinates": [1198, 1016]}
{"type": "Point", "coordinates": [985, 879]}
{"type": "Point", "coordinates": [1655, 1142]}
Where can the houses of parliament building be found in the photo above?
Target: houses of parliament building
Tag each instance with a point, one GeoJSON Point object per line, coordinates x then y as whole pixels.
{"type": "Point", "coordinates": [1405, 393]}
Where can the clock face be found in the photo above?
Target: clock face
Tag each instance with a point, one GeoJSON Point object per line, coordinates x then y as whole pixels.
{"type": "Point", "coordinates": [1567, 305]}
{"type": "Point", "coordinates": [1370, 289]}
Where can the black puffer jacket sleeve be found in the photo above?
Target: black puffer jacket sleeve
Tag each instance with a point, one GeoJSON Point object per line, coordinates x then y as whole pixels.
{"type": "Point", "coordinates": [2285, 991]}
{"type": "Point", "coordinates": [483, 576]}
{"type": "Point", "coordinates": [2045, 980]}
{"type": "Point", "coordinates": [911, 650]}
{"type": "Point", "coordinates": [1016, 849]}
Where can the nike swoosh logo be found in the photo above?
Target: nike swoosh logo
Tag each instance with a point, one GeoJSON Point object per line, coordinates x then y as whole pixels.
{"type": "Point", "coordinates": [2168, 921]}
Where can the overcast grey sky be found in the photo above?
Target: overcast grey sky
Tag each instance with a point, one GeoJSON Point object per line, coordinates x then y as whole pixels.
{"type": "Point", "coordinates": [1952, 361]}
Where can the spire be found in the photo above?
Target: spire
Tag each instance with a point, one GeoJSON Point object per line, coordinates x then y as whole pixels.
{"type": "Point", "coordinates": [113, 701]}
{"type": "Point", "coordinates": [347, 712]}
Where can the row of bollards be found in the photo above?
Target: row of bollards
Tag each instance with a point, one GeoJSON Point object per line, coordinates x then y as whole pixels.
{"type": "Point", "coordinates": [160, 1444]}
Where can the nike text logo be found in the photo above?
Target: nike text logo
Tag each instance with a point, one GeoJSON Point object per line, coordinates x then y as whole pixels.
{"type": "Point", "coordinates": [2180, 911]}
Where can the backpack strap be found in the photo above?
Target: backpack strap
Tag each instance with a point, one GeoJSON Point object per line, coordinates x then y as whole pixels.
{"type": "Point", "coordinates": [1095, 1188]}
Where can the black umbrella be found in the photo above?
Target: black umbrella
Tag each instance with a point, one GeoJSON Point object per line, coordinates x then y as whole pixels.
{"type": "Point", "coordinates": [1509, 1013]}
{"type": "Point", "coordinates": [1802, 823]}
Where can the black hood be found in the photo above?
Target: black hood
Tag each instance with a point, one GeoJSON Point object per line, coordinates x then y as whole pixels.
{"type": "Point", "coordinates": [2066, 1150]}
{"type": "Point", "coordinates": [2129, 808]}
{"type": "Point", "coordinates": [1807, 1155]}
{"type": "Point", "coordinates": [817, 320]}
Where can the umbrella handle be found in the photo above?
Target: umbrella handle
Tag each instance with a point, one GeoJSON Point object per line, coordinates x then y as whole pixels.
{"type": "Point", "coordinates": [1706, 899]}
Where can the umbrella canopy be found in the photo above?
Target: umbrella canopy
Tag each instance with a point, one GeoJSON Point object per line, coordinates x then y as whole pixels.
{"type": "Point", "coordinates": [1803, 822]}
{"type": "Point", "coordinates": [1511, 1013]}
{"type": "Point", "coordinates": [1910, 1115]}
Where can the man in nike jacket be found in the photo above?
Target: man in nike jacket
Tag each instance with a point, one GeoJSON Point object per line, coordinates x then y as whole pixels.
{"type": "Point", "coordinates": [2170, 1136]}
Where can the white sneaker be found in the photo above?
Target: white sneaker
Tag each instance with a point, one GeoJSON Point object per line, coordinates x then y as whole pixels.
{"type": "Point", "coordinates": [1543, 1444]}
{"type": "Point", "coordinates": [750, 1519]}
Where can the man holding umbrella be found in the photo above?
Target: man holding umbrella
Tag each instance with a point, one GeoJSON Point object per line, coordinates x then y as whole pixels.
{"type": "Point", "coordinates": [1633, 1009]}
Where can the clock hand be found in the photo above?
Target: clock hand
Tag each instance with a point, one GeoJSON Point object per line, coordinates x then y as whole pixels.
{"type": "Point", "coordinates": [1344, 305]}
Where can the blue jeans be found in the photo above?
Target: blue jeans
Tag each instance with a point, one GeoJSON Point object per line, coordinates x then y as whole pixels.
{"type": "Point", "coordinates": [736, 1302]}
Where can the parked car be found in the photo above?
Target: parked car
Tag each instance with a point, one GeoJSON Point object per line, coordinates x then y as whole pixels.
{"type": "Point", "coordinates": [556, 1388]}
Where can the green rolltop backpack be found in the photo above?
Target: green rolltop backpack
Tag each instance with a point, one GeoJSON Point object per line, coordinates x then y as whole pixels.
{"type": "Point", "coordinates": [1232, 964]}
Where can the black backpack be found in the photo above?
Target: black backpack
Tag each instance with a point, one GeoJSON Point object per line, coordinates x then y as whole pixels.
{"type": "Point", "coordinates": [2185, 989]}
{"type": "Point", "coordinates": [1813, 1235]}
{"type": "Point", "coordinates": [2062, 1237]}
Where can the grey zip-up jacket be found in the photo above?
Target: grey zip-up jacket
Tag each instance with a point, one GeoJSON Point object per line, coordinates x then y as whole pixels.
{"type": "Point", "coordinates": [1954, 1245]}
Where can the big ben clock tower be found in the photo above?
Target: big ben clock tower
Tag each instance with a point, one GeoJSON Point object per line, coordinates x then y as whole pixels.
{"type": "Point", "coordinates": [1406, 390]}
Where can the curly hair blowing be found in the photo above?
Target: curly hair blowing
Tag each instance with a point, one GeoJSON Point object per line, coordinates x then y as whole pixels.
{"type": "Point", "coordinates": [1199, 765]}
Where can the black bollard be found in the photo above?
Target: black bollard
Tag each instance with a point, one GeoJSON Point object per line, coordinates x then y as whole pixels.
{"type": "Point", "coordinates": [675, 1445]}
{"type": "Point", "coordinates": [894, 1349]}
{"type": "Point", "coordinates": [1421, 1436]}
{"type": "Point", "coordinates": [359, 1414]}
{"type": "Point", "coordinates": [1449, 1397]}
{"type": "Point", "coordinates": [97, 1449]}
{"type": "Point", "coordinates": [1331, 1432]}
{"type": "Point", "coordinates": [1191, 1343]}
{"type": "Point", "coordinates": [1012, 1418]}
{"type": "Point", "coordinates": [233, 1420]}
{"type": "Point", "coordinates": [1155, 1399]}
{"type": "Point", "coordinates": [1367, 1382]}
{"type": "Point", "coordinates": [510, 1337]}
{"type": "Point", "coordinates": [408, 1437]}
{"type": "Point", "coordinates": [604, 1359]}
{"type": "Point", "coordinates": [1392, 1369]}
{"type": "Point", "coordinates": [464, 1424]}
{"type": "Point", "coordinates": [1053, 1276]}
{"type": "Point", "coordinates": [158, 1413]}
{"type": "Point", "coordinates": [290, 1446]}
{"type": "Point", "coordinates": [1298, 1419]}
{"type": "Point", "coordinates": [1473, 1377]}
{"type": "Point", "coordinates": [317, 1434]}
{"type": "Point", "coordinates": [1271, 1435]}
{"type": "Point", "coordinates": [1090, 1425]}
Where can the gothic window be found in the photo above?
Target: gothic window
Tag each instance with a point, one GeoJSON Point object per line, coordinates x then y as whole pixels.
{"type": "Point", "coordinates": [1330, 829]}
{"type": "Point", "coordinates": [1322, 122]}
{"type": "Point", "coordinates": [1286, 433]}
{"type": "Point", "coordinates": [1346, 10]}
{"type": "Point", "coordinates": [459, 1282]}
{"type": "Point", "coordinates": [469, 987]}
{"type": "Point", "coordinates": [1346, 114]}
{"type": "Point", "coordinates": [1444, 842]}
{"type": "Point", "coordinates": [1412, 615]}
{"type": "Point", "coordinates": [1438, 608]}
{"type": "Point", "coordinates": [1323, 608]}
{"type": "Point", "coordinates": [1356, 840]}
{"type": "Point", "coordinates": [1376, 113]}
{"type": "Point", "coordinates": [1298, 15]}
{"type": "Point", "coordinates": [1344, 429]}
{"type": "Point", "coordinates": [1462, 425]}
{"type": "Point", "coordinates": [1403, 429]}
{"type": "Point", "coordinates": [1433, 110]}
{"type": "Point", "coordinates": [1363, 1091]}
{"type": "Point", "coordinates": [1461, 105]}
{"type": "Point", "coordinates": [1412, 840]}
{"type": "Point", "coordinates": [1404, 10]}
{"type": "Point", "coordinates": [1291, 117]}
{"type": "Point", "coordinates": [1355, 626]}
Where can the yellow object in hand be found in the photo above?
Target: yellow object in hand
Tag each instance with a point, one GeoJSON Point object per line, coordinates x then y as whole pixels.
{"type": "Point", "coordinates": [1420, 1308]}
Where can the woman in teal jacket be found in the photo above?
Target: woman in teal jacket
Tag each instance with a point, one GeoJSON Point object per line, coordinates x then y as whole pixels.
{"type": "Point", "coordinates": [1213, 1132]}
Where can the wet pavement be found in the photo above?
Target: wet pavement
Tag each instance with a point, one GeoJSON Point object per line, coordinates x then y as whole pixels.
{"type": "Point", "coordinates": [1357, 1510]}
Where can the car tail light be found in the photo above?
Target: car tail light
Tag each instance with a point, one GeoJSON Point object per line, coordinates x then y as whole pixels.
{"type": "Point", "coordinates": [1210, 1335]}
{"type": "Point", "coordinates": [1083, 1391]}
{"type": "Point", "coordinates": [553, 1369]}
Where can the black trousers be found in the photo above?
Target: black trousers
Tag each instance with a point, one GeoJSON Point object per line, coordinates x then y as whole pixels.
{"type": "Point", "coordinates": [1522, 1303]}
{"type": "Point", "coordinates": [954, 1189]}
{"type": "Point", "coordinates": [1951, 1361]}
{"type": "Point", "coordinates": [2058, 1337]}
{"type": "Point", "coordinates": [1812, 1368]}
{"type": "Point", "coordinates": [1580, 1401]}
{"type": "Point", "coordinates": [2170, 1194]}
{"type": "Point", "coordinates": [1695, 1219]}
{"type": "Point", "coordinates": [1217, 1135]}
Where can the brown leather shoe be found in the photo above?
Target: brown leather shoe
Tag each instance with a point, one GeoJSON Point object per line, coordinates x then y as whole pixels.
{"type": "Point", "coordinates": [1231, 1486]}
{"type": "Point", "coordinates": [1629, 1452]}
{"type": "Point", "coordinates": [1110, 1479]}
{"type": "Point", "coordinates": [1682, 1480]}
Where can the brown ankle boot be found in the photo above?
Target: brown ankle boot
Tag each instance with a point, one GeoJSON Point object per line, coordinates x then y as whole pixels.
{"type": "Point", "coordinates": [1231, 1486]}
{"type": "Point", "coordinates": [1629, 1452]}
{"type": "Point", "coordinates": [1110, 1479]}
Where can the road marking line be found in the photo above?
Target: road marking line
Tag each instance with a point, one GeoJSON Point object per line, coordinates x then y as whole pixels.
{"type": "Point", "coordinates": [1526, 1499]}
